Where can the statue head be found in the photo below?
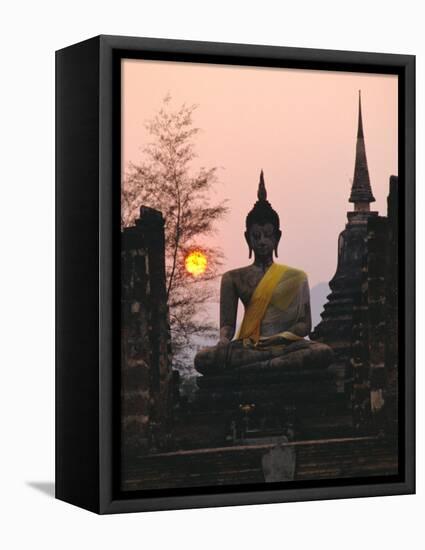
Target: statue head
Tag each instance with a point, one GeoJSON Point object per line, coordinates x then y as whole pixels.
{"type": "Point", "coordinates": [262, 225]}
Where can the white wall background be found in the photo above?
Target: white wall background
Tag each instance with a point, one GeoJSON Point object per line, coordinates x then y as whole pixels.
{"type": "Point", "coordinates": [30, 32]}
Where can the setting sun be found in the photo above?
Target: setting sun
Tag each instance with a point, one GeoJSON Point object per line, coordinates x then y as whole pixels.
{"type": "Point", "coordinates": [196, 263]}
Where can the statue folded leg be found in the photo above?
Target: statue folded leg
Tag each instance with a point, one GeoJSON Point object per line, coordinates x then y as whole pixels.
{"type": "Point", "coordinates": [245, 357]}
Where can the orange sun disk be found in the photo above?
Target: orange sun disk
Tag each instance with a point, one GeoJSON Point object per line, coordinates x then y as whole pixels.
{"type": "Point", "coordinates": [196, 263]}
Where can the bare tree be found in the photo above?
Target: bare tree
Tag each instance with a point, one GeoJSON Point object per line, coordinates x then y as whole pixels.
{"type": "Point", "coordinates": [166, 180]}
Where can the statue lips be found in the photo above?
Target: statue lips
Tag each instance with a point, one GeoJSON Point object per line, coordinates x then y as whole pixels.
{"type": "Point", "coordinates": [263, 250]}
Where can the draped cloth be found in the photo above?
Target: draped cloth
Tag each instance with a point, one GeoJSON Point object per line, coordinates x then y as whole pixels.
{"type": "Point", "coordinates": [289, 281]}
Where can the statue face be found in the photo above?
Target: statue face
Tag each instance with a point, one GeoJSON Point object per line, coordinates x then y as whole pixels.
{"type": "Point", "coordinates": [263, 239]}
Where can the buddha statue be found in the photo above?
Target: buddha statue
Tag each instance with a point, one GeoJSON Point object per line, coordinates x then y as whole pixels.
{"type": "Point", "coordinates": [277, 318]}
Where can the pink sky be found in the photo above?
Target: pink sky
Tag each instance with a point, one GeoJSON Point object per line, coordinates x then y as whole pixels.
{"type": "Point", "coordinates": [299, 126]}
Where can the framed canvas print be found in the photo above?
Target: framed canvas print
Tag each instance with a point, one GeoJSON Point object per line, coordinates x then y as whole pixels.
{"type": "Point", "coordinates": [235, 274]}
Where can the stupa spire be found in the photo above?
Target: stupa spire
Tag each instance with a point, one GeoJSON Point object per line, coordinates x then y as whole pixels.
{"type": "Point", "coordinates": [361, 191]}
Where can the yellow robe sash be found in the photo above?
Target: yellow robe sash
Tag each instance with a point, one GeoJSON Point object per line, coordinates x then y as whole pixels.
{"type": "Point", "coordinates": [263, 295]}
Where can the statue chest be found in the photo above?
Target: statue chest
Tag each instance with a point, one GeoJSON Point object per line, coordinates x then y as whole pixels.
{"type": "Point", "coordinates": [246, 283]}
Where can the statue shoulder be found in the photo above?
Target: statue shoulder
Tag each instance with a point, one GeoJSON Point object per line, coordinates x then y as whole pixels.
{"type": "Point", "coordinates": [236, 274]}
{"type": "Point", "coordinates": [239, 279]}
{"type": "Point", "coordinates": [295, 272]}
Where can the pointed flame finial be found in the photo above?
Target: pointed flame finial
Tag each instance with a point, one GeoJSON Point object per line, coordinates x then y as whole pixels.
{"type": "Point", "coordinates": [262, 193]}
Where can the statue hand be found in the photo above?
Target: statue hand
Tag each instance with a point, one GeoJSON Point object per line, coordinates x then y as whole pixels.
{"type": "Point", "coordinates": [273, 341]}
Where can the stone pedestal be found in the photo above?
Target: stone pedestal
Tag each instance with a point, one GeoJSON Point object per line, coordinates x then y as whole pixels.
{"type": "Point", "coordinates": [264, 400]}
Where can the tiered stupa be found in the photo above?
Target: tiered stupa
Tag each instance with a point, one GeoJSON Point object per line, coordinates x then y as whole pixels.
{"type": "Point", "coordinates": [336, 326]}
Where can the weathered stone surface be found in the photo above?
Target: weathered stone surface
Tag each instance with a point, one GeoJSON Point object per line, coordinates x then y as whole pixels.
{"type": "Point", "coordinates": [375, 365]}
{"type": "Point", "coordinates": [146, 376]}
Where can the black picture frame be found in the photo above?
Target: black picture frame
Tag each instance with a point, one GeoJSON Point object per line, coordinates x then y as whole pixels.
{"type": "Point", "coordinates": [87, 272]}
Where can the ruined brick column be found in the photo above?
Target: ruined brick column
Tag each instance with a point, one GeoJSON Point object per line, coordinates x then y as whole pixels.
{"type": "Point", "coordinates": [369, 379]}
{"type": "Point", "coordinates": [377, 264]}
{"type": "Point", "coordinates": [374, 348]}
{"type": "Point", "coordinates": [145, 341]}
{"type": "Point", "coordinates": [392, 297]}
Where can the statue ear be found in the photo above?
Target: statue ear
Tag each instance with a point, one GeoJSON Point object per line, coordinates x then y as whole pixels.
{"type": "Point", "coordinates": [249, 244]}
{"type": "Point", "coordinates": [278, 236]}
